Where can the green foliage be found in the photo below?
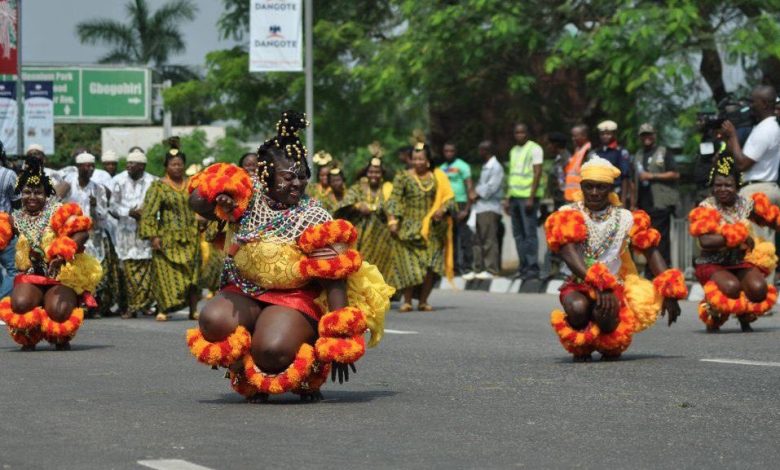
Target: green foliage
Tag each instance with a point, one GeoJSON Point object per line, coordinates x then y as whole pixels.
{"type": "Point", "coordinates": [69, 137]}
{"type": "Point", "coordinates": [466, 70]}
{"type": "Point", "coordinates": [196, 148]}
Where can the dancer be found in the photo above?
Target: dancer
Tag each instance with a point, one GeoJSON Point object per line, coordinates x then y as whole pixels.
{"type": "Point", "coordinates": [323, 162]}
{"type": "Point", "coordinates": [604, 300]}
{"type": "Point", "coordinates": [417, 217]}
{"type": "Point", "coordinates": [734, 262]}
{"type": "Point", "coordinates": [364, 206]}
{"type": "Point", "coordinates": [55, 275]}
{"type": "Point", "coordinates": [296, 299]}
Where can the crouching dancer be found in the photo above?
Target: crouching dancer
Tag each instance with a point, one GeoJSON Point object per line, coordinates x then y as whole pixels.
{"type": "Point", "coordinates": [605, 302]}
{"type": "Point", "coordinates": [296, 299]}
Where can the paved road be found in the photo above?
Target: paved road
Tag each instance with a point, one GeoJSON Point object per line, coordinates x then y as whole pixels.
{"type": "Point", "coordinates": [483, 383]}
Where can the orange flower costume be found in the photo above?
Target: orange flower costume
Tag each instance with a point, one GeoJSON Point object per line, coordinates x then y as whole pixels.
{"type": "Point", "coordinates": [276, 255]}
{"type": "Point", "coordinates": [733, 223]}
{"type": "Point", "coordinates": [603, 240]}
{"type": "Point", "coordinates": [46, 236]}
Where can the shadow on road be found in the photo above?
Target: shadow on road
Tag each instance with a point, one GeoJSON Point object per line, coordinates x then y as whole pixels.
{"type": "Point", "coordinates": [331, 396]}
{"type": "Point", "coordinates": [49, 348]}
{"type": "Point", "coordinates": [624, 358]}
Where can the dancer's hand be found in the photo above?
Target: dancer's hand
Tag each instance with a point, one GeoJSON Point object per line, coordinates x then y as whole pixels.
{"type": "Point", "coordinates": [226, 203]}
{"type": "Point", "coordinates": [607, 302]}
{"type": "Point", "coordinates": [55, 265]}
{"type": "Point", "coordinates": [673, 307]}
{"type": "Point", "coordinates": [342, 370]}
{"type": "Point", "coordinates": [156, 244]}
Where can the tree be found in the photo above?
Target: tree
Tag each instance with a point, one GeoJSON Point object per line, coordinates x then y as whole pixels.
{"type": "Point", "coordinates": [145, 38]}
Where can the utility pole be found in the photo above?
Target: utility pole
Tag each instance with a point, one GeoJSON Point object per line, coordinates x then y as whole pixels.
{"type": "Point", "coordinates": [19, 83]}
{"type": "Point", "coordinates": [309, 68]}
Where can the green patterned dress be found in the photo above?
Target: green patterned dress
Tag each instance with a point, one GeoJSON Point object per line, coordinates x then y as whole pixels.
{"type": "Point", "coordinates": [167, 214]}
{"type": "Point", "coordinates": [412, 255]}
{"type": "Point", "coordinates": [374, 237]}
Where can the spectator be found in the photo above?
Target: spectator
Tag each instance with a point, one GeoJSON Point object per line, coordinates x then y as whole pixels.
{"type": "Point", "coordinates": [579, 136]}
{"type": "Point", "coordinates": [760, 158]}
{"type": "Point", "coordinates": [459, 174]}
{"type": "Point", "coordinates": [611, 151]}
{"type": "Point", "coordinates": [556, 179]}
{"type": "Point", "coordinates": [487, 198]}
{"type": "Point", "coordinates": [525, 171]}
{"type": "Point", "coordinates": [135, 253]}
{"type": "Point", "coordinates": [710, 147]}
{"type": "Point", "coordinates": [93, 200]}
{"type": "Point", "coordinates": [657, 185]}
{"type": "Point", "coordinates": [8, 199]}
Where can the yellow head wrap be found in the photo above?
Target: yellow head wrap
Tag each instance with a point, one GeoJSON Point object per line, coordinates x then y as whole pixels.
{"type": "Point", "coordinates": [599, 170]}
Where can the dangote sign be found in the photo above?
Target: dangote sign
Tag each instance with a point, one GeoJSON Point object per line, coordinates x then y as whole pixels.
{"type": "Point", "coordinates": [275, 35]}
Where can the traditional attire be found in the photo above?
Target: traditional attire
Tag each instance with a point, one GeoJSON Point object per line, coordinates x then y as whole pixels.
{"type": "Point", "coordinates": [422, 244]}
{"type": "Point", "coordinates": [318, 191]}
{"type": "Point", "coordinates": [99, 245]}
{"type": "Point", "coordinates": [134, 253]}
{"type": "Point", "coordinates": [734, 224]}
{"type": "Point", "coordinates": [268, 260]}
{"type": "Point", "coordinates": [41, 238]}
{"type": "Point", "coordinates": [603, 240]}
{"type": "Point", "coordinates": [374, 237]}
{"type": "Point", "coordinates": [331, 203]}
{"type": "Point", "coordinates": [166, 214]}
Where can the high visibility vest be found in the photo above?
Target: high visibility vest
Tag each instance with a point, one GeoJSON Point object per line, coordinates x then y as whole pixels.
{"type": "Point", "coordinates": [521, 171]}
{"type": "Point", "coordinates": [572, 172]}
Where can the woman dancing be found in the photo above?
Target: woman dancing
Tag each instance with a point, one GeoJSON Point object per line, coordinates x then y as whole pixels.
{"type": "Point", "coordinates": [296, 299]}
{"type": "Point", "coordinates": [55, 275]}
{"type": "Point", "coordinates": [604, 300]}
{"type": "Point", "coordinates": [733, 263]}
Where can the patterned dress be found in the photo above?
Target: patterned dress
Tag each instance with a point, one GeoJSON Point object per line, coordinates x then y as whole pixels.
{"type": "Point", "coordinates": [413, 256]}
{"type": "Point", "coordinates": [374, 237]}
{"type": "Point", "coordinates": [167, 214]}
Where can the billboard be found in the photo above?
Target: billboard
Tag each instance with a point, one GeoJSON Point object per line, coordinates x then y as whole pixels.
{"type": "Point", "coordinates": [96, 94]}
{"type": "Point", "coordinates": [8, 31]}
{"type": "Point", "coordinates": [275, 36]}
{"type": "Point", "coordinates": [39, 115]}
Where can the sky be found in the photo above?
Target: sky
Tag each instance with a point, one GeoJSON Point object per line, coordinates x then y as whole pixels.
{"type": "Point", "coordinates": [49, 30]}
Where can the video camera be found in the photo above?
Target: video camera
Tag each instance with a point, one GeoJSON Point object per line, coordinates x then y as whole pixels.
{"type": "Point", "coordinates": [735, 110]}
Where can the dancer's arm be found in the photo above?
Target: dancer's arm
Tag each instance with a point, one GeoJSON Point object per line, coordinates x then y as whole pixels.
{"type": "Point", "coordinates": [657, 265]}
{"type": "Point", "coordinates": [606, 299]}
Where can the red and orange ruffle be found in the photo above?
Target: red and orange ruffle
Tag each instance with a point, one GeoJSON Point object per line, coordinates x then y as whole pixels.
{"type": "Point", "coordinates": [563, 227]}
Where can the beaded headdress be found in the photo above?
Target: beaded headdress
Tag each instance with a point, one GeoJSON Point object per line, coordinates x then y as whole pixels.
{"type": "Point", "coordinates": [725, 165]}
{"type": "Point", "coordinates": [34, 175]}
{"type": "Point", "coordinates": [287, 141]}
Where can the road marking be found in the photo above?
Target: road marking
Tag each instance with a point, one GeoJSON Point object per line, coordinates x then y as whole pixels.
{"type": "Point", "coordinates": [171, 464]}
{"type": "Point", "coordinates": [400, 332]}
{"type": "Point", "coordinates": [743, 362]}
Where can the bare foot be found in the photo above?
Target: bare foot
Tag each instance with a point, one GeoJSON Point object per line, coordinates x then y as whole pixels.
{"type": "Point", "coordinates": [62, 346]}
{"type": "Point", "coordinates": [258, 398]}
{"type": "Point", "coordinates": [583, 358]}
{"type": "Point", "coordinates": [312, 397]}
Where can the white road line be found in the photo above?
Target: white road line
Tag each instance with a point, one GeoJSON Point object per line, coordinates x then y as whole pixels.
{"type": "Point", "coordinates": [400, 332]}
{"type": "Point", "coordinates": [743, 362]}
{"type": "Point", "coordinates": [171, 464]}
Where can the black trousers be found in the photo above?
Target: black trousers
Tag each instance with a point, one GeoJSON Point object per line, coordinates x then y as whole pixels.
{"type": "Point", "coordinates": [661, 220]}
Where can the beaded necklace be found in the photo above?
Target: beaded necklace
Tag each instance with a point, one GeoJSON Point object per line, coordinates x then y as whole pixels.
{"type": "Point", "coordinates": [603, 230]}
{"type": "Point", "coordinates": [33, 226]}
{"type": "Point", "coordinates": [420, 183]}
{"type": "Point", "coordinates": [732, 214]}
{"type": "Point", "coordinates": [266, 223]}
{"type": "Point", "coordinates": [180, 188]}
{"type": "Point", "coordinates": [372, 202]}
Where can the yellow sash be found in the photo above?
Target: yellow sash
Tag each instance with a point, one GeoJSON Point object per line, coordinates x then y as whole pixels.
{"type": "Point", "coordinates": [443, 194]}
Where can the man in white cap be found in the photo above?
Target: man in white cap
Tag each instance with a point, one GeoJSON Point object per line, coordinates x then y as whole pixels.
{"type": "Point", "coordinates": [135, 254]}
{"type": "Point", "coordinates": [619, 157]}
{"type": "Point", "coordinates": [109, 159]}
{"type": "Point", "coordinates": [93, 200]}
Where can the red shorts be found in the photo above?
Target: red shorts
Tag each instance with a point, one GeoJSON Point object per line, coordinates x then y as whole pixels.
{"type": "Point", "coordinates": [568, 287]}
{"type": "Point", "coordinates": [85, 298]}
{"type": "Point", "coordinates": [705, 271]}
{"type": "Point", "coordinates": [298, 299]}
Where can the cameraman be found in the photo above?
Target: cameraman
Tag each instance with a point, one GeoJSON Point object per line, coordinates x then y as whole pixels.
{"type": "Point", "coordinates": [710, 147]}
{"type": "Point", "coordinates": [760, 157]}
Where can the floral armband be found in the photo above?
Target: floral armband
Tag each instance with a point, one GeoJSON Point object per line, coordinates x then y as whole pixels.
{"type": "Point", "coordinates": [599, 278]}
{"type": "Point", "coordinates": [224, 178]}
{"type": "Point", "coordinates": [563, 227]}
{"type": "Point", "coordinates": [764, 209]}
{"type": "Point", "coordinates": [735, 234]}
{"type": "Point", "coordinates": [641, 234]}
{"type": "Point", "coordinates": [62, 246]}
{"type": "Point", "coordinates": [6, 231]}
{"type": "Point", "coordinates": [326, 234]}
{"type": "Point", "coordinates": [704, 220]}
{"type": "Point", "coordinates": [670, 284]}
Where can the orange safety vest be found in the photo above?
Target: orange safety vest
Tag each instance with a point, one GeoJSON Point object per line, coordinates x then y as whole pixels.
{"type": "Point", "coordinates": [572, 172]}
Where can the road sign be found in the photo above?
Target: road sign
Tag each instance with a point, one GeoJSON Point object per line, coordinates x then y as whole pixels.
{"type": "Point", "coordinates": [97, 94]}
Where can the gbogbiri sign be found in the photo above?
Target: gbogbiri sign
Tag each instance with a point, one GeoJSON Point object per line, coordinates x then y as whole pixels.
{"type": "Point", "coordinates": [96, 94]}
{"type": "Point", "coordinates": [275, 36]}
